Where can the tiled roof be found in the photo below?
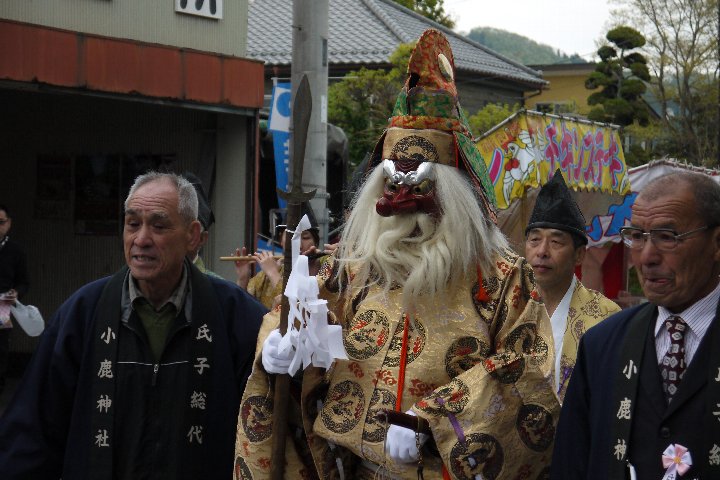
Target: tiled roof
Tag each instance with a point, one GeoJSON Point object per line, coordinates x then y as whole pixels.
{"type": "Point", "coordinates": [368, 32]}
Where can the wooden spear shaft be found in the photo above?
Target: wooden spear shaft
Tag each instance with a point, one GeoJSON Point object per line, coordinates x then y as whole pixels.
{"type": "Point", "coordinates": [302, 108]}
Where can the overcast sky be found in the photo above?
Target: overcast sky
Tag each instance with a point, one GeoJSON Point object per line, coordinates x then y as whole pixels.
{"type": "Point", "coordinates": [572, 26]}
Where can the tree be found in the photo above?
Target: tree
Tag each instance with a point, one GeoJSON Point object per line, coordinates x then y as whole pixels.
{"type": "Point", "coordinates": [489, 116]}
{"type": "Point", "coordinates": [432, 9]}
{"type": "Point", "coordinates": [682, 51]}
{"type": "Point", "coordinates": [363, 100]}
{"type": "Point", "coordinates": [620, 74]}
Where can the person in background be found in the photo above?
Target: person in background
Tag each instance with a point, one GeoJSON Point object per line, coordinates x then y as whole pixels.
{"type": "Point", "coordinates": [266, 285]}
{"type": "Point", "coordinates": [14, 284]}
{"type": "Point", "coordinates": [555, 243]}
{"type": "Point", "coordinates": [643, 401]}
{"type": "Point", "coordinates": [206, 219]}
{"type": "Point", "coordinates": [138, 375]}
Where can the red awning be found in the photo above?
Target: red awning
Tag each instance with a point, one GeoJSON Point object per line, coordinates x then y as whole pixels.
{"type": "Point", "coordinates": [44, 55]}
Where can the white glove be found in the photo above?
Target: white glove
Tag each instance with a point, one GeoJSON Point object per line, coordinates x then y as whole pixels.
{"type": "Point", "coordinates": [273, 361]}
{"type": "Point", "coordinates": [400, 443]}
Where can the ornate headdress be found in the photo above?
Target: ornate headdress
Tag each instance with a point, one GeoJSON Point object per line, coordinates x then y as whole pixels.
{"type": "Point", "coordinates": [428, 109]}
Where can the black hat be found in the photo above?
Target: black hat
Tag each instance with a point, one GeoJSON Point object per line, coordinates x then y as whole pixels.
{"type": "Point", "coordinates": [205, 214]}
{"type": "Point", "coordinates": [555, 208]}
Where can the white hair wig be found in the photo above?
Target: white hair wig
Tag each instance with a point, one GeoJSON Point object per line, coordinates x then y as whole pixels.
{"type": "Point", "coordinates": [422, 254]}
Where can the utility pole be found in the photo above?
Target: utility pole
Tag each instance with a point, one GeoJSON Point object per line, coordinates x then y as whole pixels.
{"type": "Point", "coordinates": [310, 57]}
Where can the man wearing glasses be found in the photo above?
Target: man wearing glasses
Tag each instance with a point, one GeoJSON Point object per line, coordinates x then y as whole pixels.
{"type": "Point", "coordinates": [644, 399]}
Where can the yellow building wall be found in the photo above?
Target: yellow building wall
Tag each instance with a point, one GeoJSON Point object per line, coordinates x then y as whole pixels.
{"type": "Point", "coordinates": [564, 88]}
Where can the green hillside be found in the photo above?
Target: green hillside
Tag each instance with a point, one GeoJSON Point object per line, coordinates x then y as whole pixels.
{"type": "Point", "coordinates": [520, 48]}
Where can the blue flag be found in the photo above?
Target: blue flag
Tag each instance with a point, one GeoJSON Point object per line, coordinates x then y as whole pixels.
{"type": "Point", "coordinates": [279, 125]}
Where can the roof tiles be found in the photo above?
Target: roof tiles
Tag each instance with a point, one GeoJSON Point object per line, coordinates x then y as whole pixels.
{"type": "Point", "coordinates": [368, 32]}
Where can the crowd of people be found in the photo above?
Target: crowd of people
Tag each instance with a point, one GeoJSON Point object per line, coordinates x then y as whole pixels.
{"type": "Point", "coordinates": [465, 359]}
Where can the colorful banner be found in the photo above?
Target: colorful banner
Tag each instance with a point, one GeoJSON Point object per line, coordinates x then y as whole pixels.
{"type": "Point", "coordinates": [279, 125]}
{"type": "Point", "coordinates": [524, 152]}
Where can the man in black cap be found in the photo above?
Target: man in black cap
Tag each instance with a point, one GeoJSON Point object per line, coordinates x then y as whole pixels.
{"type": "Point", "coordinates": [206, 218]}
{"type": "Point", "coordinates": [555, 243]}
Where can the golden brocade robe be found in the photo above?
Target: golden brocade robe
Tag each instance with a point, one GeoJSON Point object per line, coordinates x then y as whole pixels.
{"type": "Point", "coordinates": [587, 308]}
{"type": "Point", "coordinates": [480, 371]}
{"type": "Point", "coordinates": [261, 288]}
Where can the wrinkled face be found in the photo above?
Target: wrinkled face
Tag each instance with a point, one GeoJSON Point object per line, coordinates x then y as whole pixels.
{"type": "Point", "coordinates": [677, 278]}
{"type": "Point", "coordinates": [553, 257]}
{"type": "Point", "coordinates": [156, 238]}
{"type": "Point", "coordinates": [5, 224]}
{"type": "Point", "coordinates": [409, 178]}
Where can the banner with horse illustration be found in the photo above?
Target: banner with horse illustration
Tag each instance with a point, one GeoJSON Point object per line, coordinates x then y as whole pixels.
{"type": "Point", "coordinates": [525, 150]}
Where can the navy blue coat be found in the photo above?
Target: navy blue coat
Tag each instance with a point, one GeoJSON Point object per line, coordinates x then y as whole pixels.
{"type": "Point", "coordinates": [45, 432]}
{"type": "Point", "coordinates": [583, 442]}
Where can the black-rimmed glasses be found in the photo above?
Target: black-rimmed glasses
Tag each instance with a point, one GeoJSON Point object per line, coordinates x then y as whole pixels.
{"type": "Point", "coordinates": [663, 238]}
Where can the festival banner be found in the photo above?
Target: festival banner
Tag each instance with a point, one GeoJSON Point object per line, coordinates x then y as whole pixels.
{"type": "Point", "coordinates": [279, 125]}
{"type": "Point", "coordinates": [525, 150]}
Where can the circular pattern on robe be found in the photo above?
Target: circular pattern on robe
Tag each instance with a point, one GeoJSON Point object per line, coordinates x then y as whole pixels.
{"type": "Point", "coordinates": [535, 427]}
{"type": "Point", "coordinates": [375, 429]}
{"type": "Point", "coordinates": [367, 334]}
{"type": "Point", "coordinates": [463, 354]}
{"type": "Point", "coordinates": [241, 469]}
{"type": "Point", "coordinates": [510, 367]}
{"type": "Point", "coordinates": [522, 339]}
{"type": "Point", "coordinates": [491, 284]}
{"type": "Point", "coordinates": [482, 456]}
{"type": "Point", "coordinates": [344, 406]}
{"type": "Point", "coordinates": [455, 395]}
{"type": "Point", "coordinates": [526, 340]}
{"type": "Point", "coordinates": [417, 338]}
{"type": "Point", "coordinates": [256, 418]}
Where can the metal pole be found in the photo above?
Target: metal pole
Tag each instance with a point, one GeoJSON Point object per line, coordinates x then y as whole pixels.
{"type": "Point", "coordinates": [310, 57]}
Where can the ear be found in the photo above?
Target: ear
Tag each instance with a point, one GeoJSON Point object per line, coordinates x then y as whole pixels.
{"type": "Point", "coordinates": [715, 236]}
{"type": "Point", "coordinates": [194, 238]}
{"type": "Point", "coordinates": [580, 255]}
{"type": "Point", "coordinates": [204, 235]}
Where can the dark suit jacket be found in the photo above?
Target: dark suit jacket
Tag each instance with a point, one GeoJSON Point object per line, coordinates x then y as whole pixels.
{"type": "Point", "coordinates": [583, 443]}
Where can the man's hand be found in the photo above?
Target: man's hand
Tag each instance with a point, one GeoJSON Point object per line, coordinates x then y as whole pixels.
{"type": "Point", "coordinates": [401, 445]}
{"type": "Point", "coordinates": [272, 360]}
{"type": "Point", "coordinates": [270, 265]}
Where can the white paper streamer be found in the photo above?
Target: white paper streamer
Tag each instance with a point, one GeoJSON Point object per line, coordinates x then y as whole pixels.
{"type": "Point", "coordinates": [314, 342]}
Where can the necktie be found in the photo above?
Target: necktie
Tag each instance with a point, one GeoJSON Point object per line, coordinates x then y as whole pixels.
{"type": "Point", "coordinates": [672, 367]}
